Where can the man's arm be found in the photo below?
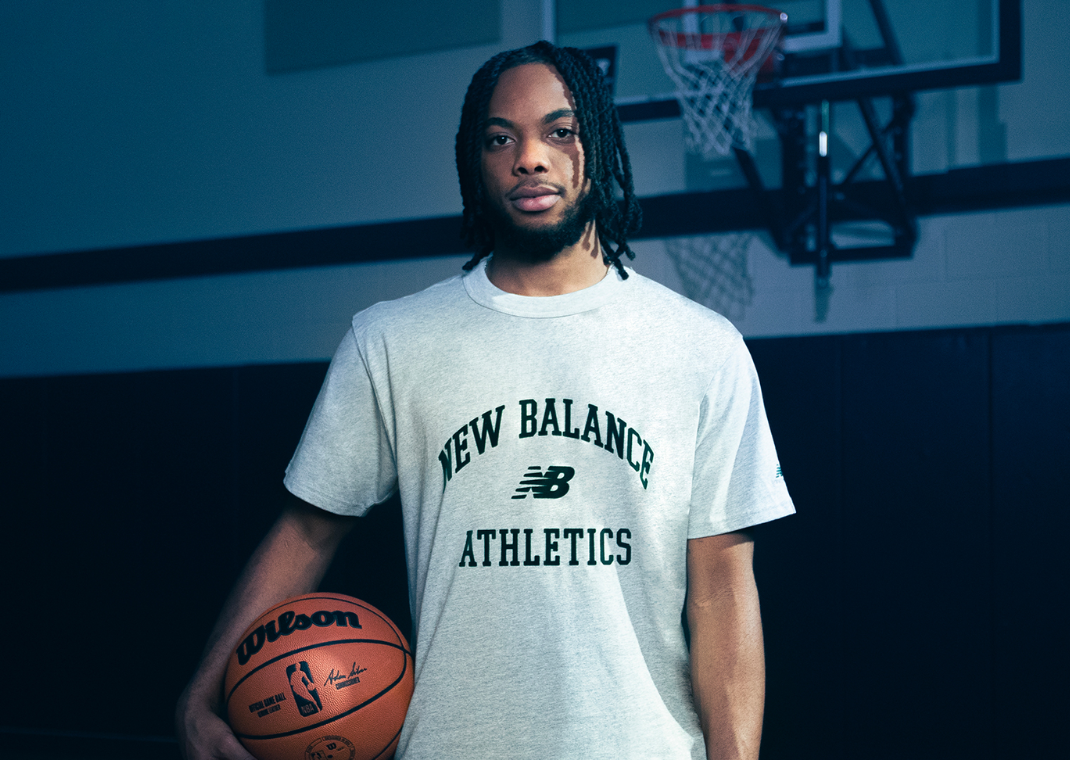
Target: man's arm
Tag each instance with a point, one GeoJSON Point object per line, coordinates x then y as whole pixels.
{"type": "Point", "coordinates": [727, 654]}
{"type": "Point", "coordinates": [290, 560]}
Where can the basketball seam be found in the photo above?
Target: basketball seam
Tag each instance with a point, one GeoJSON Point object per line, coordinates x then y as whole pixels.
{"type": "Point", "coordinates": [350, 711]}
{"type": "Point", "coordinates": [273, 660]}
{"type": "Point", "coordinates": [393, 739]}
{"type": "Point", "coordinates": [402, 643]}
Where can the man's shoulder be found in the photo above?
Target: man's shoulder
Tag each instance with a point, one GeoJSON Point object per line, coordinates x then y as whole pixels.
{"type": "Point", "coordinates": [666, 304]}
{"type": "Point", "coordinates": [418, 307]}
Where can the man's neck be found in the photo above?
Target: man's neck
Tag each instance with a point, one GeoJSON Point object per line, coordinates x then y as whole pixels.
{"type": "Point", "coordinates": [574, 268]}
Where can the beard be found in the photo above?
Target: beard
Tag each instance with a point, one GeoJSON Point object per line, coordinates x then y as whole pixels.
{"type": "Point", "coordinates": [542, 243]}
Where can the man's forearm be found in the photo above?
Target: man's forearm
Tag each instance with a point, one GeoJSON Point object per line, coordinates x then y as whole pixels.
{"type": "Point", "coordinates": [728, 667]}
{"type": "Point", "coordinates": [289, 561]}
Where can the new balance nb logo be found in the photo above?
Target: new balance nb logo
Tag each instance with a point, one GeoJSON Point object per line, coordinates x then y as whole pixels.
{"type": "Point", "coordinates": [552, 484]}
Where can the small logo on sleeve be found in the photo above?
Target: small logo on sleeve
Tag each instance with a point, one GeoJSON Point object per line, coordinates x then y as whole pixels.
{"type": "Point", "coordinates": [549, 484]}
{"type": "Point", "coordinates": [779, 473]}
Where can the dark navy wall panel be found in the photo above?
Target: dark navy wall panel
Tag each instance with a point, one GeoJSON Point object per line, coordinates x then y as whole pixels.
{"type": "Point", "coordinates": [799, 559]}
{"type": "Point", "coordinates": [917, 574]}
{"type": "Point", "coordinates": [23, 457]}
{"type": "Point", "coordinates": [913, 608]}
{"type": "Point", "coordinates": [116, 539]}
{"type": "Point", "coordinates": [1031, 523]}
{"type": "Point", "coordinates": [271, 405]}
{"type": "Point", "coordinates": [180, 522]}
{"type": "Point", "coordinates": [89, 545]}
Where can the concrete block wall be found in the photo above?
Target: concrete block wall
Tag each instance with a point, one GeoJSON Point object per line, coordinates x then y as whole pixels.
{"type": "Point", "coordinates": [999, 267]}
{"type": "Point", "coordinates": [131, 124]}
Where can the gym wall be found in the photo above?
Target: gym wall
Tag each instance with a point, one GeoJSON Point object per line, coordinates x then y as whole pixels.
{"type": "Point", "coordinates": [911, 607]}
{"type": "Point", "coordinates": [153, 123]}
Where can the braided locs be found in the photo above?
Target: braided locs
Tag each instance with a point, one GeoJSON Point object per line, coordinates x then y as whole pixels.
{"type": "Point", "coordinates": [606, 161]}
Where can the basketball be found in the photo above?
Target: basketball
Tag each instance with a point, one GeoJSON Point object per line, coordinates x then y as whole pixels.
{"type": "Point", "coordinates": [319, 677]}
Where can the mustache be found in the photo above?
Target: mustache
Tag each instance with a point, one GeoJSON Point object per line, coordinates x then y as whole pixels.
{"type": "Point", "coordinates": [535, 184]}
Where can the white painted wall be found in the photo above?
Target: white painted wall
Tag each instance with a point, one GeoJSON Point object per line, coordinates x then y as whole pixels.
{"type": "Point", "coordinates": [128, 123]}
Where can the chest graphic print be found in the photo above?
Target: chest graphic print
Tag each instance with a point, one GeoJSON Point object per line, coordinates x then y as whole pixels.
{"type": "Point", "coordinates": [620, 438]}
{"type": "Point", "coordinates": [547, 546]}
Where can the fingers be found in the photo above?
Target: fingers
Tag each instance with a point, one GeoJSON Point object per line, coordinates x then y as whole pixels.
{"type": "Point", "coordinates": [207, 737]}
{"type": "Point", "coordinates": [232, 749]}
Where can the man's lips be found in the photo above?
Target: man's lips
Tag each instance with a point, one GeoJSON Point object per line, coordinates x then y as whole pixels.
{"type": "Point", "coordinates": [534, 198]}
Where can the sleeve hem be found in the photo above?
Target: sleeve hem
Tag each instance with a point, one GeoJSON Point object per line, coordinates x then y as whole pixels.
{"type": "Point", "coordinates": [329, 503]}
{"type": "Point", "coordinates": [747, 520]}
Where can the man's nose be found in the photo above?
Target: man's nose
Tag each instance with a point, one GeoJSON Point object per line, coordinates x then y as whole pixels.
{"type": "Point", "coordinates": [531, 158]}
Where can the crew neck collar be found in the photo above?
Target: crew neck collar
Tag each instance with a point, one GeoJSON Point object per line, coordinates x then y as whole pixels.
{"type": "Point", "coordinates": [485, 293]}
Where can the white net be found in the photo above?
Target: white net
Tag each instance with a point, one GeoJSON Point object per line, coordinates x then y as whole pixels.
{"type": "Point", "coordinates": [713, 54]}
{"type": "Point", "coordinates": [713, 269]}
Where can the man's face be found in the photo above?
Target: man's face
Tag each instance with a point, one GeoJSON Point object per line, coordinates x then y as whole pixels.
{"type": "Point", "coordinates": [532, 163]}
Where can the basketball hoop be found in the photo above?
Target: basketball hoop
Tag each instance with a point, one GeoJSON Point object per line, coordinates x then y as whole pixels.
{"type": "Point", "coordinates": [713, 54]}
{"type": "Point", "coordinates": [714, 271]}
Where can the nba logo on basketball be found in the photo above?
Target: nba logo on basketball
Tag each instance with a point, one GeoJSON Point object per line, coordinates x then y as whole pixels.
{"type": "Point", "coordinates": [303, 686]}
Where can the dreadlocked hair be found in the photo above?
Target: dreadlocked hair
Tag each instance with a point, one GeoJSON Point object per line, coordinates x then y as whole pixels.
{"type": "Point", "coordinates": [605, 163]}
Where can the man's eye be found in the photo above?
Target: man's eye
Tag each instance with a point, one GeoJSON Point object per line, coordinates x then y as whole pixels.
{"type": "Point", "coordinates": [562, 133]}
{"type": "Point", "coordinates": [498, 140]}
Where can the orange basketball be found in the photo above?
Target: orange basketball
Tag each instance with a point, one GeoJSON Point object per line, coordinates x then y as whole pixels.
{"type": "Point", "coordinates": [320, 677]}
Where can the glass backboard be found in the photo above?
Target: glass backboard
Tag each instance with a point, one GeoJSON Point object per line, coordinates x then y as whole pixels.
{"type": "Point", "coordinates": [832, 49]}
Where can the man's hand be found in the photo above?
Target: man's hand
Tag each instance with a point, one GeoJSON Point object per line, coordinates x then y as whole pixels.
{"type": "Point", "coordinates": [204, 735]}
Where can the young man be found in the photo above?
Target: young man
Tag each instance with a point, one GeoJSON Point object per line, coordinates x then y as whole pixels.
{"type": "Point", "coordinates": [576, 449]}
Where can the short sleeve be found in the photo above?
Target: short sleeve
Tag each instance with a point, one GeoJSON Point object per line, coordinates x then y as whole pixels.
{"type": "Point", "coordinates": [737, 480]}
{"type": "Point", "coordinates": [344, 462]}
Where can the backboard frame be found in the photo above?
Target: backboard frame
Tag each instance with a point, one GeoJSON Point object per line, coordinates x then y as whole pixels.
{"type": "Point", "coordinates": [851, 85]}
{"type": "Point", "coordinates": [1005, 66]}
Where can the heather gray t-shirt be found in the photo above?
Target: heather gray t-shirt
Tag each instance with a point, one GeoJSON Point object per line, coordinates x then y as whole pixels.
{"type": "Point", "coordinates": [553, 456]}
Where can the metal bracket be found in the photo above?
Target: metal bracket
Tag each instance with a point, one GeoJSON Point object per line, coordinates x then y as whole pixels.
{"type": "Point", "coordinates": [811, 201]}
